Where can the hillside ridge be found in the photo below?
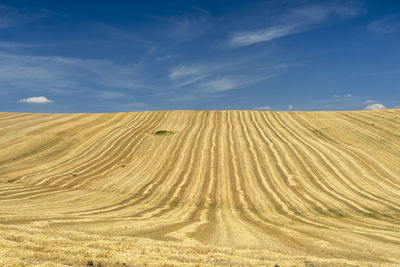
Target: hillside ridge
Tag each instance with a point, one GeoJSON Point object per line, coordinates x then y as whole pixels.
{"type": "Point", "coordinates": [242, 187]}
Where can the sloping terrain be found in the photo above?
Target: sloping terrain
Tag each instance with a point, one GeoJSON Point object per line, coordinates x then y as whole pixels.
{"type": "Point", "coordinates": [218, 188]}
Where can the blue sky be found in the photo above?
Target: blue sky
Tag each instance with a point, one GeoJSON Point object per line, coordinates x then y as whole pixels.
{"type": "Point", "coordinates": [112, 56]}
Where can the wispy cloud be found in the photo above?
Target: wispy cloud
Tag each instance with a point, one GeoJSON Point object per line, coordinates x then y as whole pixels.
{"type": "Point", "coordinates": [104, 80]}
{"type": "Point", "coordinates": [370, 101]}
{"type": "Point", "coordinates": [252, 37]}
{"type": "Point", "coordinates": [200, 75]}
{"type": "Point", "coordinates": [219, 85]}
{"type": "Point", "coordinates": [36, 99]}
{"type": "Point", "coordinates": [182, 71]}
{"type": "Point", "coordinates": [183, 75]}
{"type": "Point", "coordinates": [10, 16]}
{"type": "Point", "coordinates": [205, 80]}
{"type": "Point", "coordinates": [186, 27]}
{"type": "Point", "coordinates": [191, 25]}
{"type": "Point", "coordinates": [339, 96]}
{"type": "Point", "coordinates": [118, 35]}
{"type": "Point", "coordinates": [375, 106]}
{"type": "Point", "coordinates": [295, 21]}
{"type": "Point", "coordinates": [217, 75]}
{"type": "Point", "coordinates": [288, 65]}
{"type": "Point", "coordinates": [67, 75]}
{"type": "Point", "coordinates": [162, 58]}
{"type": "Point", "coordinates": [385, 25]}
{"type": "Point", "coordinates": [263, 108]}
{"type": "Point", "coordinates": [290, 107]}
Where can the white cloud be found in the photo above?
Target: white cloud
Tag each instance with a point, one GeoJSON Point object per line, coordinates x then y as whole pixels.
{"type": "Point", "coordinates": [295, 21]}
{"type": "Point", "coordinates": [220, 85]}
{"type": "Point", "coordinates": [36, 99]}
{"type": "Point", "coordinates": [183, 71]}
{"type": "Point", "coordinates": [211, 79]}
{"type": "Point", "coordinates": [162, 58]}
{"type": "Point", "coordinates": [370, 101]}
{"type": "Point", "coordinates": [290, 107]}
{"type": "Point", "coordinates": [251, 37]}
{"type": "Point", "coordinates": [336, 96]}
{"type": "Point", "coordinates": [385, 25]}
{"type": "Point", "coordinates": [375, 106]}
{"type": "Point", "coordinates": [200, 76]}
{"type": "Point", "coordinates": [197, 78]}
{"type": "Point", "coordinates": [348, 95]}
{"type": "Point", "coordinates": [33, 74]}
{"type": "Point", "coordinates": [184, 75]}
{"type": "Point", "coordinates": [263, 108]}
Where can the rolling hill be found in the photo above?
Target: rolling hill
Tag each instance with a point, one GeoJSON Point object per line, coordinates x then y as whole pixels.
{"type": "Point", "coordinates": [211, 188]}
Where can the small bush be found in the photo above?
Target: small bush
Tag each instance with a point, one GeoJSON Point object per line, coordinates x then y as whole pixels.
{"type": "Point", "coordinates": [162, 132]}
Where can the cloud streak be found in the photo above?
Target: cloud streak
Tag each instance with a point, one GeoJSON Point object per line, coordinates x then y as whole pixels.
{"type": "Point", "coordinates": [10, 16]}
{"type": "Point", "coordinates": [385, 25]}
{"type": "Point", "coordinates": [20, 73]}
{"type": "Point", "coordinates": [252, 37]}
{"type": "Point", "coordinates": [295, 21]}
{"type": "Point", "coordinates": [209, 80]}
{"type": "Point", "coordinates": [186, 27]}
{"type": "Point", "coordinates": [263, 108]}
{"type": "Point", "coordinates": [219, 85]}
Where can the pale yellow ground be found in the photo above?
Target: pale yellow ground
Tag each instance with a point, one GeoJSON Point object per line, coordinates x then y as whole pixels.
{"type": "Point", "coordinates": [225, 188]}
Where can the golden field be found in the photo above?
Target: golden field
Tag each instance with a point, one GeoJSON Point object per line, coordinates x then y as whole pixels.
{"type": "Point", "coordinates": [222, 188]}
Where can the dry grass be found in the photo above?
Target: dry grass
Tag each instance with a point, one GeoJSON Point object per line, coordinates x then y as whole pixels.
{"type": "Point", "coordinates": [228, 188]}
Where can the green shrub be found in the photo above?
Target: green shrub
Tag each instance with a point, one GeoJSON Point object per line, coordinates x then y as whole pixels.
{"type": "Point", "coordinates": [162, 132]}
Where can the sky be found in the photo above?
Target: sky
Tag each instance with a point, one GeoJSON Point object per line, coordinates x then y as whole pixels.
{"type": "Point", "coordinates": [117, 56]}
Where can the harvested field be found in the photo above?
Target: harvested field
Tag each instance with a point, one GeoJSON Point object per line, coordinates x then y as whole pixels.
{"type": "Point", "coordinates": [200, 188]}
